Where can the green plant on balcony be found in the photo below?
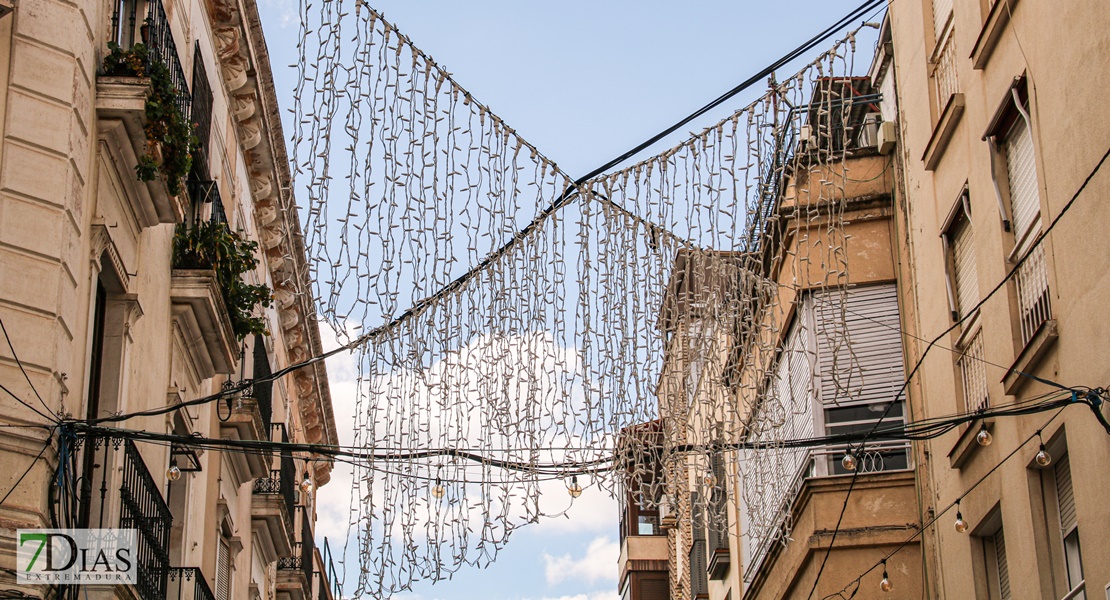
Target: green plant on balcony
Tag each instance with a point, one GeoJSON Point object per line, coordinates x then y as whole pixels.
{"type": "Point", "coordinates": [212, 245]}
{"type": "Point", "coordinates": [170, 138]}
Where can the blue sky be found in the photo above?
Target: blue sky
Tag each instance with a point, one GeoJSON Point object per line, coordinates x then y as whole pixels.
{"type": "Point", "coordinates": [583, 81]}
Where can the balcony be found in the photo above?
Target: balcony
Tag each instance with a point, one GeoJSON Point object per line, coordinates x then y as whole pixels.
{"type": "Point", "coordinates": [143, 509]}
{"type": "Point", "coordinates": [201, 316]}
{"type": "Point", "coordinates": [121, 109]}
{"type": "Point", "coordinates": [294, 572]}
{"type": "Point", "coordinates": [247, 422]}
{"type": "Point", "coordinates": [188, 583]}
{"type": "Point", "coordinates": [329, 586]}
{"type": "Point", "coordinates": [273, 502]}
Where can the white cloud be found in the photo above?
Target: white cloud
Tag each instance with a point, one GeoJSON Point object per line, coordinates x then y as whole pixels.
{"type": "Point", "coordinates": [599, 563]}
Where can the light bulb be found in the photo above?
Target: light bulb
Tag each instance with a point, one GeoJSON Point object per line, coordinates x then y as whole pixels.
{"type": "Point", "coordinates": [849, 462]}
{"type": "Point", "coordinates": [961, 524]}
{"type": "Point", "coordinates": [710, 479]}
{"type": "Point", "coordinates": [306, 484]}
{"type": "Point", "coordinates": [1043, 457]}
{"type": "Point", "coordinates": [437, 489]}
{"type": "Point", "coordinates": [885, 585]}
{"type": "Point", "coordinates": [574, 489]}
{"type": "Point", "coordinates": [173, 473]}
{"type": "Point", "coordinates": [984, 437]}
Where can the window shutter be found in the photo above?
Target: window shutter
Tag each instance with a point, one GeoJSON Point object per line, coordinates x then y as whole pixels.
{"type": "Point", "coordinates": [942, 11]}
{"type": "Point", "coordinates": [1025, 203]}
{"type": "Point", "coordinates": [1064, 494]}
{"type": "Point", "coordinates": [966, 273]}
{"type": "Point", "coordinates": [223, 570]}
{"type": "Point", "coordinates": [1003, 569]}
{"type": "Point", "coordinates": [859, 349]}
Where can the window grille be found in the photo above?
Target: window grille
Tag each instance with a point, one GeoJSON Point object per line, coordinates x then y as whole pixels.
{"type": "Point", "coordinates": [973, 373]}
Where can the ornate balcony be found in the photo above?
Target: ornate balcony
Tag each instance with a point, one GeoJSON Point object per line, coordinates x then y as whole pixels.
{"type": "Point", "coordinates": [294, 573]}
{"type": "Point", "coordinates": [188, 583]}
{"type": "Point", "coordinates": [273, 503]}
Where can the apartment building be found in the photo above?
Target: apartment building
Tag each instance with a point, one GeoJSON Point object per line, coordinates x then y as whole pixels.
{"type": "Point", "coordinates": [1000, 125]}
{"type": "Point", "coordinates": [140, 138]}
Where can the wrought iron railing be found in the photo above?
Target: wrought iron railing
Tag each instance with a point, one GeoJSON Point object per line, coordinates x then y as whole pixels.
{"type": "Point", "coordinates": [282, 480]}
{"type": "Point", "coordinates": [154, 31]}
{"type": "Point", "coordinates": [202, 104]}
{"type": "Point", "coordinates": [143, 509]}
{"type": "Point", "coordinates": [188, 583]}
{"type": "Point", "coordinates": [303, 550]}
{"type": "Point", "coordinates": [330, 578]}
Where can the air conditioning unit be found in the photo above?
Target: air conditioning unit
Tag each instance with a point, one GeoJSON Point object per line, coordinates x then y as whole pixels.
{"type": "Point", "coordinates": [887, 137]}
{"type": "Point", "coordinates": [868, 136]}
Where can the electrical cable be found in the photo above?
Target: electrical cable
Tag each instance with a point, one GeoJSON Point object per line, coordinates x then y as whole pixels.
{"type": "Point", "coordinates": [921, 360]}
{"type": "Point", "coordinates": [34, 462]}
{"type": "Point", "coordinates": [19, 363]}
{"type": "Point", "coordinates": [953, 504]}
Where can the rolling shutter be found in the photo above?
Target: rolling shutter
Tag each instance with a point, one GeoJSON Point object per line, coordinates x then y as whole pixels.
{"type": "Point", "coordinates": [223, 570]}
{"type": "Point", "coordinates": [859, 348]}
{"type": "Point", "coordinates": [1003, 569]}
{"type": "Point", "coordinates": [966, 272]}
{"type": "Point", "coordinates": [1025, 203]}
{"type": "Point", "coordinates": [942, 10]}
{"type": "Point", "coordinates": [1064, 494]}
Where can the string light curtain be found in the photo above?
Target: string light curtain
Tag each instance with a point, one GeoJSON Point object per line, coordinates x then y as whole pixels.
{"type": "Point", "coordinates": [501, 308]}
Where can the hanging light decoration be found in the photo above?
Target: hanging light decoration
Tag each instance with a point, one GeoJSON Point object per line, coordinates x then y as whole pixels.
{"type": "Point", "coordinates": [173, 473]}
{"type": "Point", "coordinates": [984, 437]}
{"type": "Point", "coordinates": [574, 489]}
{"type": "Point", "coordinates": [306, 484]}
{"type": "Point", "coordinates": [885, 585]}
{"type": "Point", "coordinates": [961, 524]}
{"type": "Point", "coordinates": [1043, 458]}
{"type": "Point", "coordinates": [849, 461]}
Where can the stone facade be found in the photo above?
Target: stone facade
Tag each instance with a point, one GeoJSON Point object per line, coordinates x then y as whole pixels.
{"type": "Point", "coordinates": [98, 315]}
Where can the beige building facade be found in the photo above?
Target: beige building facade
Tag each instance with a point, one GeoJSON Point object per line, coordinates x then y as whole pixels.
{"type": "Point", "coordinates": [1000, 123]}
{"type": "Point", "coordinates": [111, 309]}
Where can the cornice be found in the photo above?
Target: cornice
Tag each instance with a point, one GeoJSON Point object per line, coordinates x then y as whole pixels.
{"type": "Point", "coordinates": [245, 67]}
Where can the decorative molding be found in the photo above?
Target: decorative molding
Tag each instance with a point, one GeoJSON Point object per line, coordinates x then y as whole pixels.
{"type": "Point", "coordinates": [103, 245]}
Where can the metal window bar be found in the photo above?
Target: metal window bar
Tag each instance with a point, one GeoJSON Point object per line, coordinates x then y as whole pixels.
{"type": "Point", "coordinates": [945, 80]}
{"type": "Point", "coordinates": [973, 374]}
{"type": "Point", "coordinates": [219, 215]}
{"type": "Point", "coordinates": [308, 545]}
{"type": "Point", "coordinates": [1035, 307]}
{"type": "Point", "coordinates": [188, 583]}
{"type": "Point", "coordinates": [330, 574]}
{"type": "Point", "coordinates": [142, 508]}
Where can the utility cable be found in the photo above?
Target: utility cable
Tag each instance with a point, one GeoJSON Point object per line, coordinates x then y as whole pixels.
{"type": "Point", "coordinates": [921, 360]}
{"type": "Point", "coordinates": [34, 462]}
{"type": "Point", "coordinates": [19, 363]}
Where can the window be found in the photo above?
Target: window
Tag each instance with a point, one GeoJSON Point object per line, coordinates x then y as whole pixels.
{"type": "Point", "coordinates": [959, 247]}
{"type": "Point", "coordinates": [223, 570]}
{"type": "Point", "coordinates": [839, 369]}
{"type": "Point", "coordinates": [1069, 527]}
{"type": "Point", "coordinates": [1000, 566]}
{"type": "Point", "coordinates": [973, 374]}
{"type": "Point", "coordinates": [1011, 142]}
{"type": "Point", "coordinates": [942, 14]}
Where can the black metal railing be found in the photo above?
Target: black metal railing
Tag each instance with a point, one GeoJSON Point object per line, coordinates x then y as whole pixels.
{"type": "Point", "coordinates": [291, 563]}
{"type": "Point", "coordinates": [282, 480]}
{"type": "Point", "coordinates": [143, 509]}
{"type": "Point", "coordinates": [219, 215]}
{"type": "Point", "coordinates": [155, 32]}
{"type": "Point", "coordinates": [330, 577]}
{"type": "Point", "coordinates": [188, 583]}
{"type": "Point", "coordinates": [263, 392]}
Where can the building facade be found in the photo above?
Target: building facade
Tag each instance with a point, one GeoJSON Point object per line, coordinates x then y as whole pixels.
{"type": "Point", "coordinates": [139, 140]}
{"type": "Point", "coordinates": [1000, 126]}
